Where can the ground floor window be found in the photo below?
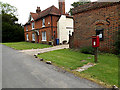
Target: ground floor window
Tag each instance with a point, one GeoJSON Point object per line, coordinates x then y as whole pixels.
{"type": "Point", "coordinates": [27, 37]}
{"type": "Point", "coordinates": [100, 33]}
{"type": "Point", "coordinates": [33, 37]}
{"type": "Point", "coordinates": [44, 36]}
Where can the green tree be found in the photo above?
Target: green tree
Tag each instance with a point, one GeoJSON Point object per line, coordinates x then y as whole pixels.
{"type": "Point", "coordinates": [8, 9]}
{"type": "Point", "coordinates": [76, 4]}
{"type": "Point", "coordinates": [11, 31]}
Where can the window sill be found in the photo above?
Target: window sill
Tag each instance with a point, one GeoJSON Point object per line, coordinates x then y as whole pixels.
{"type": "Point", "coordinates": [43, 26]}
{"type": "Point", "coordinates": [44, 40]}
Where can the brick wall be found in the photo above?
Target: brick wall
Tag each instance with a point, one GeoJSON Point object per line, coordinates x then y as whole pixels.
{"type": "Point", "coordinates": [85, 24]}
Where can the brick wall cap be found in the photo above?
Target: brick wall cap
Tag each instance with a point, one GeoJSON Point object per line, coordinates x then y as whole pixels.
{"type": "Point", "coordinates": [91, 6]}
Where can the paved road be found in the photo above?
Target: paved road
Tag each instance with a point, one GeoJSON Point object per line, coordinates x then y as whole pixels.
{"type": "Point", "coordinates": [35, 51]}
{"type": "Point", "coordinates": [20, 70]}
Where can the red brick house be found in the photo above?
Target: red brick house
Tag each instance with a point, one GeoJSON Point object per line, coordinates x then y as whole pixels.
{"type": "Point", "coordinates": [96, 18]}
{"type": "Point", "coordinates": [42, 25]}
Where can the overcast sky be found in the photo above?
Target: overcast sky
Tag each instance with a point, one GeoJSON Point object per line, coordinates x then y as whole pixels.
{"type": "Point", "coordinates": [24, 7]}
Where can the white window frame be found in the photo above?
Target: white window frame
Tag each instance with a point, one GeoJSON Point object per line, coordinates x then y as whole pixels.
{"type": "Point", "coordinates": [43, 22]}
{"type": "Point", "coordinates": [26, 28]}
{"type": "Point", "coordinates": [33, 37]}
{"type": "Point", "coordinates": [33, 25]}
{"type": "Point", "coordinates": [44, 38]}
{"type": "Point", "coordinates": [27, 36]}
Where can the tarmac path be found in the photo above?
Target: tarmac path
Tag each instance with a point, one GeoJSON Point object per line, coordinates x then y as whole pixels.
{"type": "Point", "coordinates": [20, 70]}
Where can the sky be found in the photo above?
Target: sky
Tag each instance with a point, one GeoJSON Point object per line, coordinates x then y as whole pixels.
{"type": "Point", "coordinates": [24, 7]}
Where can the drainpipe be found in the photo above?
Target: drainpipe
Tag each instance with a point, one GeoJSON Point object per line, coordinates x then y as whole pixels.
{"type": "Point", "coordinates": [51, 28]}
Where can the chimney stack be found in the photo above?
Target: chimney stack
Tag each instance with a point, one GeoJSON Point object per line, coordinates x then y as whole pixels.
{"type": "Point", "coordinates": [38, 10]}
{"type": "Point", "coordinates": [62, 7]}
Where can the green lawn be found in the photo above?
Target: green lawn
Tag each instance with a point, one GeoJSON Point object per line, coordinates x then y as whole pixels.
{"type": "Point", "coordinates": [25, 45]}
{"type": "Point", "coordinates": [104, 72]}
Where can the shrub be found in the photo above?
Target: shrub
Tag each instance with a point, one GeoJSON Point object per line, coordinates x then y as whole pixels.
{"type": "Point", "coordinates": [117, 47]}
{"type": "Point", "coordinates": [117, 44]}
{"type": "Point", "coordinates": [87, 50]}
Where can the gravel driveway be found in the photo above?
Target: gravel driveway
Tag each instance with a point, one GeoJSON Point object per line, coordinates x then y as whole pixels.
{"type": "Point", "coordinates": [35, 51]}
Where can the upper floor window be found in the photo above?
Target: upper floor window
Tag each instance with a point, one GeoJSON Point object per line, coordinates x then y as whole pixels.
{"type": "Point", "coordinates": [26, 28]}
{"type": "Point", "coordinates": [33, 25]}
{"type": "Point", "coordinates": [43, 22]}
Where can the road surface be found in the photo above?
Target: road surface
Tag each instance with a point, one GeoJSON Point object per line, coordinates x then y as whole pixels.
{"type": "Point", "coordinates": [20, 70]}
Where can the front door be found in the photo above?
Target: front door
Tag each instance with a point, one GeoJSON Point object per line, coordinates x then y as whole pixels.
{"type": "Point", "coordinates": [37, 35]}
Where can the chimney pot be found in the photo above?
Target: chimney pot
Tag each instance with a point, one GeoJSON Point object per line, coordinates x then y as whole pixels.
{"type": "Point", "coordinates": [38, 10]}
{"type": "Point", "coordinates": [61, 0]}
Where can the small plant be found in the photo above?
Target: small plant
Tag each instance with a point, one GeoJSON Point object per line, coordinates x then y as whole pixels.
{"type": "Point", "coordinates": [87, 50]}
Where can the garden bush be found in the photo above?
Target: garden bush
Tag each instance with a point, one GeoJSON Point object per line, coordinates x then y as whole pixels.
{"type": "Point", "coordinates": [117, 45]}
{"type": "Point", "coordinates": [87, 50]}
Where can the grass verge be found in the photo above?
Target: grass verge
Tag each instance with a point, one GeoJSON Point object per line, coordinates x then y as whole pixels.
{"type": "Point", "coordinates": [25, 45]}
{"type": "Point", "coordinates": [105, 72]}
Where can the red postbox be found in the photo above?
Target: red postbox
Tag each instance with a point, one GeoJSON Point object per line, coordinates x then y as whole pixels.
{"type": "Point", "coordinates": [95, 41]}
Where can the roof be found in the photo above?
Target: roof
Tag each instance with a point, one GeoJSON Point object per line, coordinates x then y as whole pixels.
{"type": "Point", "coordinates": [92, 5]}
{"type": "Point", "coordinates": [49, 11]}
{"type": "Point", "coordinates": [34, 15]}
